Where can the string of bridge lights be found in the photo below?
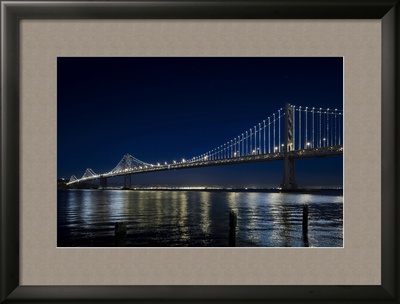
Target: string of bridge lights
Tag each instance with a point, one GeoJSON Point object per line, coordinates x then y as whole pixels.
{"type": "Point", "coordinates": [263, 138]}
{"type": "Point", "coordinates": [312, 128]}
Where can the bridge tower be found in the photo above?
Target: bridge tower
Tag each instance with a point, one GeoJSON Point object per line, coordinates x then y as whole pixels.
{"type": "Point", "coordinates": [127, 177]}
{"type": "Point", "coordinates": [289, 178]}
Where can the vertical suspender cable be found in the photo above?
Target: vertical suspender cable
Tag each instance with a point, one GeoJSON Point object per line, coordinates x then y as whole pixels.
{"type": "Point", "coordinates": [279, 130]}
{"type": "Point", "coordinates": [269, 135]}
{"type": "Point", "coordinates": [264, 138]}
{"type": "Point", "coordinates": [306, 128]}
{"type": "Point", "coordinates": [259, 139]}
{"type": "Point", "coordinates": [300, 128]}
{"type": "Point", "coordinates": [274, 132]}
{"type": "Point", "coordinates": [335, 127]}
{"type": "Point", "coordinates": [313, 144]}
{"type": "Point", "coordinates": [251, 141]}
{"type": "Point", "coordinates": [327, 127]}
{"type": "Point", "coordinates": [294, 127]}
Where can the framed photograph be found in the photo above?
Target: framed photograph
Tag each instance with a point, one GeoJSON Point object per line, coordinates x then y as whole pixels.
{"type": "Point", "coordinates": [266, 130]}
{"type": "Point", "coordinates": [276, 179]}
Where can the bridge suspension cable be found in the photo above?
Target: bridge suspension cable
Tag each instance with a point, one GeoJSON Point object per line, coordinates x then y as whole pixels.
{"type": "Point", "coordinates": [266, 136]}
{"type": "Point", "coordinates": [325, 127]}
{"type": "Point", "coordinates": [88, 173]}
{"type": "Point", "coordinates": [254, 141]}
{"type": "Point", "coordinates": [128, 162]}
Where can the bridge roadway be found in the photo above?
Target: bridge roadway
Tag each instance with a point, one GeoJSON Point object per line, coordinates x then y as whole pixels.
{"type": "Point", "coordinates": [296, 154]}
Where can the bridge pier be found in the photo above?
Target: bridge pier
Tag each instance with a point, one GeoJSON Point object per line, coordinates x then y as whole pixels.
{"type": "Point", "coordinates": [127, 177]}
{"type": "Point", "coordinates": [103, 183]}
{"type": "Point", "coordinates": [127, 181]}
{"type": "Point", "coordinates": [289, 178]}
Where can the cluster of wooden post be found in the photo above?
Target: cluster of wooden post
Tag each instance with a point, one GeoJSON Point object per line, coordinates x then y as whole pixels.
{"type": "Point", "coordinates": [120, 229]}
{"type": "Point", "coordinates": [120, 234]}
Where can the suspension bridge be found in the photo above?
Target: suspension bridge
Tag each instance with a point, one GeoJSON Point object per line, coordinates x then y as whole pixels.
{"type": "Point", "coordinates": [293, 132]}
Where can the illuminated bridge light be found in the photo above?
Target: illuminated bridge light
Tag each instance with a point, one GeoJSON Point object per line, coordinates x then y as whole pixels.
{"type": "Point", "coordinates": [314, 133]}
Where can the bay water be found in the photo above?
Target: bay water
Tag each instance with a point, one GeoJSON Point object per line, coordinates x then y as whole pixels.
{"type": "Point", "coordinates": [167, 218]}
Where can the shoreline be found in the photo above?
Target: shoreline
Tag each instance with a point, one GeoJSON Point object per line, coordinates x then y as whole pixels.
{"type": "Point", "coordinates": [238, 190]}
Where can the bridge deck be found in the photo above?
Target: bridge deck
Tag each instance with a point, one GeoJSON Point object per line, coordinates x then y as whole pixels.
{"type": "Point", "coordinates": [297, 154]}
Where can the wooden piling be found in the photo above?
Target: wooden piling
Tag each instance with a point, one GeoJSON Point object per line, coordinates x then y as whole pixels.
{"type": "Point", "coordinates": [305, 225]}
{"type": "Point", "coordinates": [120, 234]}
{"type": "Point", "coordinates": [232, 228]}
{"type": "Point", "coordinates": [305, 219]}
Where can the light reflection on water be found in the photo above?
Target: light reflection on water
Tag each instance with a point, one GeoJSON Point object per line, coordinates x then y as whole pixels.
{"type": "Point", "coordinates": [198, 218]}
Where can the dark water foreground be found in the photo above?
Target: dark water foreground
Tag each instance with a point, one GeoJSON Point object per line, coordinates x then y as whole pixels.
{"type": "Point", "coordinates": [86, 218]}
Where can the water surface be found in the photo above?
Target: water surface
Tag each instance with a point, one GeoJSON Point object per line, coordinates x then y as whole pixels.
{"type": "Point", "coordinates": [86, 218]}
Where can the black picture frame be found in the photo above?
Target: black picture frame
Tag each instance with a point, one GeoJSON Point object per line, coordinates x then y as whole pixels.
{"type": "Point", "coordinates": [13, 11]}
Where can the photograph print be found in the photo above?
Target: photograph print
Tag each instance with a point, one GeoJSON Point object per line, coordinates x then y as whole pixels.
{"type": "Point", "coordinates": [200, 152]}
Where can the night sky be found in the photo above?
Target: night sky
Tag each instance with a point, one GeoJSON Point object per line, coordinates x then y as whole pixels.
{"type": "Point", "coordinates": [165, 109]}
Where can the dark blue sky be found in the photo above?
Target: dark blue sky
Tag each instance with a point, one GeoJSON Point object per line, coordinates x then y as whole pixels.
{"type": "Point", "coordinates": [165, 109]}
